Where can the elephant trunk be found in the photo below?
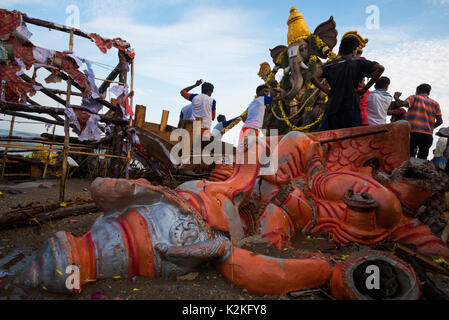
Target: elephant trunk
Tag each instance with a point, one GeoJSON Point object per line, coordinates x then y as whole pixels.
{"type": "Point", "coordinates": [296, 78]}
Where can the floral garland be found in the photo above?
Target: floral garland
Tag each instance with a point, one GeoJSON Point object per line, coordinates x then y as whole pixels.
{"type": "Point", "coordinates": [295, 128]}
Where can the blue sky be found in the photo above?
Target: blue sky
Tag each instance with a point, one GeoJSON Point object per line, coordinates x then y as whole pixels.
{"type": "Point", "coordinates": [224, 41]}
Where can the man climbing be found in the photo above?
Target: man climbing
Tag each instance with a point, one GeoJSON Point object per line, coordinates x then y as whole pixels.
{"type": "Point", "coordinates": [222, 123]}
{"type": "Point", "coordinates": [256, 109]}
{"type": "Point", "coordinates": [379, 102]}
{"type": "Point", "coordinates": [344, 75]}
{"type": "Point", "coordinates": [203, 106]}
{"type": "Point", "coordinates": [424, 115]}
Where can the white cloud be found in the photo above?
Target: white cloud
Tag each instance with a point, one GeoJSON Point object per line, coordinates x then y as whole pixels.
{"type": "Point", "coordinates": [219, 46]}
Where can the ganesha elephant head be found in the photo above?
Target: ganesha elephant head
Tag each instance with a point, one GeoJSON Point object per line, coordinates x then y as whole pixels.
{"type": "Point", "coordinates": [298, 59]}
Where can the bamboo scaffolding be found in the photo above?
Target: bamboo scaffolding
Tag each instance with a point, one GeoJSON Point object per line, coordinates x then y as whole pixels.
{"type": "Point", "coordinates": [5, 156]}
{"type": "Point", "coordinates": [111, 81]}
{"type": "Point", "coordinates": [14, 110]}
{"type": "Point", "coordinates": [65, 154]}
{"type": "Point", "coordinates": [128, 160]}
{"type": "Point", "coordinates": [61, 150]}
{"type": "Point", "coordinates": [57, 118]}
{"type": "Point", "coordinates": [5, 105]}
{"type": "Point", "coordinates": [31, 117]}
{"type": "Point", "coordinates": [44, 90]}
{"type": "Point", "coordinates": [76, 85]}
{"type": "Point", "coordinates": [75, 146]}
{"type": "Point", "coordinates": [78, 94]}
{"type": "Point", "coordinates": [111, 77]}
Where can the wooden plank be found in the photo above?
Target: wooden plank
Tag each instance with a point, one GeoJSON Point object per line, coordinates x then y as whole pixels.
{"type": "Point", "coordinates": [164, 120]}
{"type": "Point", "coordinates": [140, 116]}
{"type": "Point", "coordinates": [5, 156]}
{"type": "Point", "coordinates": [51, 25]}
{"type": "Point", "coordinates": [5, 105]}
{"type": "Point", "coordinates": [17, 175]}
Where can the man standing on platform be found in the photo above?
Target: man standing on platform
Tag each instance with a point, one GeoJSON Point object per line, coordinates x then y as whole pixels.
{"type": "Point", "coordinates": [424, 115]}
{"type": "Point", "coordinates": [344, 75]}
{"type": "Point", "coordinates": [203, 106]}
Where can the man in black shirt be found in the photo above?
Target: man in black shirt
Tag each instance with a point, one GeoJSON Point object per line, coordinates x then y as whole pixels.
{"type": "Point", "coordinates": [343, 75]}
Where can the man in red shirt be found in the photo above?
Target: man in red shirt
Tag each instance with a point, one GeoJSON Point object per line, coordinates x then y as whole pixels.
{"type": "Point", "coordinates": [364, 103]}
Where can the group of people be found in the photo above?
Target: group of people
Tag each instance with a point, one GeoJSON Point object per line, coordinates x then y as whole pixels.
{"type": "Point", "coordinates": [350, 102]}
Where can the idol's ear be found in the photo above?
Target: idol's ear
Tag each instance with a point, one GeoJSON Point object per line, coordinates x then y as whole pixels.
{"type": "Point", "coordinates": [276, 53]}
{"type": "Point", "coordinates": [327, 32]}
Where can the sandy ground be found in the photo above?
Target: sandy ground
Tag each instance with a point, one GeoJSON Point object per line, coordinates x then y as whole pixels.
{"type": "Point", "coordinates": [207, 284]}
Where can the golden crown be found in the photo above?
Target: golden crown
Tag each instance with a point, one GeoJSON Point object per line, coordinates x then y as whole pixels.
{"type": "Point", "coordinates": [297, 27]}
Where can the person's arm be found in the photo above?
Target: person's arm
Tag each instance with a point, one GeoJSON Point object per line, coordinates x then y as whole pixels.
{"type": "Point", "coordinates": [185, 92]}
{"type": "Point", "coordinates": [377, 73]}
{"type": "Point", "coordinates": [214, 109]}
{"type": "Point", "coordinates": [317, 83]}
{"type": "Point", "coordinates": [439, 121]}
{"type": "Point", "coordinates": [281, 92]}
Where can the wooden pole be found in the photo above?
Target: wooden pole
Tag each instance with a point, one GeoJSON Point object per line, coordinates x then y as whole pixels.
{"type": "Point", "coordinates": [139, 118]}
{"type": "Point", "coordinates": [66, 133]}
{"type": "Point", "coordinates": [48, 157]}
{"type": "Point", "coordinates": [30, 117]}
{"type": "Point", "coordinates": [111, 77]}
{"type": "Point", "coordinates": [118, 130]}
{"type": "Point", "coordinates": [49, 152]}
{"type": "Point", "coordinates": [5, 156]}
{"type": "Point", "coordinates": [164, 120]}
{"type": "Point", "coordinates": [6, 105]}
{"type": "Point", "coordinates": [128, 158]}
{"type": "Point", "coordinates": [51, 25]}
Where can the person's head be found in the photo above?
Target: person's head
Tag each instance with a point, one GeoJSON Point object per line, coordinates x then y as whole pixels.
{"type": "Point", "coordinates": [263, 90]}
{"type": "Point", "coordinates": [383, 83]}
{"type": "Point", "coordinates": [221, 118]}
{"type": "Point", "coordinates": [207, 88]}
{"type": "Point", "coordinates": [362, 83]}
{"type": "Point", "coordinates": [424, 89]}
{"type": "Point", "coordinates": [349, 46]}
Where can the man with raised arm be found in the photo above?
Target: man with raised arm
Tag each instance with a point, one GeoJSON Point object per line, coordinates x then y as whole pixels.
{"type": "Point", "coordinates": [203, 106]}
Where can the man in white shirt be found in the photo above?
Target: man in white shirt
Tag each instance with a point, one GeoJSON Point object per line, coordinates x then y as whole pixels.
{"type": "Point", "coordinates": [203, 106]}
{"type": "Point", "coordinates": [186, 114]}
{"type": "Point", "coordinates": [256, 109]}
{"type": "Point", "coordinates": [379, 101]}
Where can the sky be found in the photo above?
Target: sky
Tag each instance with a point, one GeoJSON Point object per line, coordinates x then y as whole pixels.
{"type": "Point", "coordinates": [224, 41]}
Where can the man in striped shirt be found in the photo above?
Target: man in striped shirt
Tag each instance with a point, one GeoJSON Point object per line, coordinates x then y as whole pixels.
{"type": "Point", "coordinates": [424, 115]}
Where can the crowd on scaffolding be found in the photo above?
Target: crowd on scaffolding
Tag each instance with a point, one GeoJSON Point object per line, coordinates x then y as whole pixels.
{"type": "Point", "coordinates": [350, 101]}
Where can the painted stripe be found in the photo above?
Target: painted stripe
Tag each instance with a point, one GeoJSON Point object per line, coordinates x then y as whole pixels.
{"type": "Point", "coordinates": [130, 246]}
